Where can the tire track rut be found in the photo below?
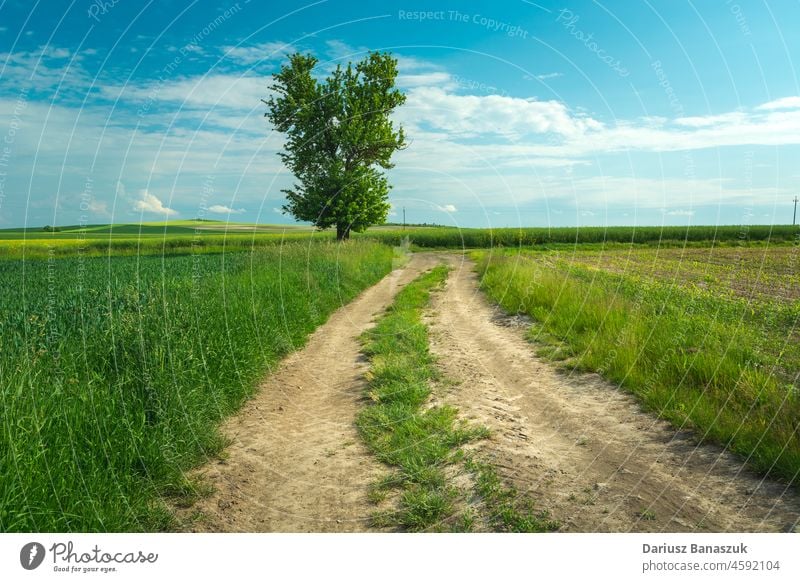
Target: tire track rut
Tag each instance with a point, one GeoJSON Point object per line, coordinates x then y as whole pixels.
{"type": "Point", "coordinates": [583, 449]}
{"type": "Point", "coordinates": [296, 462]}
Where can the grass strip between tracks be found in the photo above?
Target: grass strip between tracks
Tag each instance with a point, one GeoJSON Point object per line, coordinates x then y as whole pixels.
{"type": "Point", "coordinates": [423, 442]}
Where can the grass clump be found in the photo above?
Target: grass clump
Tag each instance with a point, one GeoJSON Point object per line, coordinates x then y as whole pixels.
{"type": "Point", "coordinates": [505, 508]}
{"type": "Point", "coordinates": [396, 427]}
{"type": "Point", "coordinates": [423, 442]}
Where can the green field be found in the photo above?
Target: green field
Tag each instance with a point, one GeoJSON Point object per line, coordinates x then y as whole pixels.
{"type": "Point", "coordinates": [193, 236]}
{"type": "Point", "coordinates": [114, 373]}
{"type": "Point", "coordinates": [123, 346]}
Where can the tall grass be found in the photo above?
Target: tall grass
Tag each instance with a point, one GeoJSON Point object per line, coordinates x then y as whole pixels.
{"type": "Point", "coordinates": [115, 371]}
{"type": "Point", "coordinates": [696, 359]}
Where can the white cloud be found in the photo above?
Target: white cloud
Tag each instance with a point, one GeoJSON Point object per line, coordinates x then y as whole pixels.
{"type": "Point", "coordinates": [99, 207]}
{"type": "Point", "coordinates": [783, 103]}
{"type": "Point", "coordinates": [151, 204]}
{"type": "Point", "coordinates": [472, 115]}
{"type": "Point", "coordinates": [45, 68]}
{"type": "Point", "coordinates": [219, 209]}
{"type": "Point", "coordinates": [203, 92]}
{"type": "Point", "coordinates": [405, 63]}
{"type": "Point", "coordinates": [339, 50]}
{"type": "Point", "coordinates": [267, 52]}
{"type": "Point", "coordinates": [551, 129]}
{"type": "Point", "coordinates": [736, 117]}
{"type": "Point", "coordinates": [434, 78]}
{"type": "Point", "coordinates": [51, 52]}
{"type": "Point", "coordinates": [546, 76]}
{"type": "Point", "coordinates": [447, 208]}
{"type": "Point", "coordinates": [679, 212]}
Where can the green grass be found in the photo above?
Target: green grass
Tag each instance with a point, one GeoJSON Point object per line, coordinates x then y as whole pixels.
{"type": "Point", "coordinates": [150, 244]}
{"type": "Point", "coordinates": [115, 372]}
{"type": "Point", "coordinates": [421, 441]}
{"type": "Point", "coordinates": [474, 238]}
{"type": "Point", "coordinates": [712, 361]}
{"type": "Point", "coordinates": [506, 510]}
{"type": "Point", "coordinates": [192, 236]}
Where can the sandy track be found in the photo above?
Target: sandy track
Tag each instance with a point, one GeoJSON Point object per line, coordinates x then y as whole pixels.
{"type": "Point", "coordinates": [580, 447]}
{"type": "Point", "coordinates": [296, 462]}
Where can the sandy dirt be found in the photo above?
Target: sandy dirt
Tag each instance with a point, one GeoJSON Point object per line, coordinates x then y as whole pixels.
{"type": "Point", "coordinates": [580, 447]}
{"type": "Point", "coordinates": [296, 462]}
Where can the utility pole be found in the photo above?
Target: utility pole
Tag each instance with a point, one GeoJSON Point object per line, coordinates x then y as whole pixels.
{"type": "Point", "coordinates": [404, 213]}
{"type": "Point", "coordinates": [794, 217]}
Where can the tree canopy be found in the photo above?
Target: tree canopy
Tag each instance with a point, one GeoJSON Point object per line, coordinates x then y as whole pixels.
{"type": "Point", "coordinates": [339, 139]}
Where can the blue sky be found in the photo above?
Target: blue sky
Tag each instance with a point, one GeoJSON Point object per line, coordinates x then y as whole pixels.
{"type": "Point", "coordinates": [517, 112]}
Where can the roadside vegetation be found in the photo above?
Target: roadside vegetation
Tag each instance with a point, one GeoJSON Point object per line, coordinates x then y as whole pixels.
{"type": "Point", "coordinates": [423, 442]}
{"type": "Point", "coordinates": [115, 372]}
{"type": "Point", "coordinates": [707, 340]}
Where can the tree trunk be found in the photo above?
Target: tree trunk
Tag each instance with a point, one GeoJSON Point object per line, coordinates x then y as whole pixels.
{"type": "Point", "coordinates": [342, 231]}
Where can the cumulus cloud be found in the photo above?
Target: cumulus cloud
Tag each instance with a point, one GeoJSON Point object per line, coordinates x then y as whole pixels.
{"type": "Point", "coordinates": [99, 207]}
{"type": "Point", "coordinates": [447, 208]}
{"type": "Point", "coordinates": [783, 103]}
{"type": "Point", "coordinates": [151, 204]}
{"type": "Point", "coordinates": [472, 115]}
{"type": "Point", "coordinates": [219, 209]}
{"type": "Point", "coordinates": [550, 128]}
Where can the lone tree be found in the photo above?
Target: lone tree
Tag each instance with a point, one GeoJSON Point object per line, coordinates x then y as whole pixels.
{"type": "Point", "coordinates": [339, 138]}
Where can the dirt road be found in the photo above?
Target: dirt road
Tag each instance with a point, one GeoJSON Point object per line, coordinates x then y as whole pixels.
{"type": "Point", "coordinates": [296, 462]}
{"type": "Point", "coordinates": [583, 449]}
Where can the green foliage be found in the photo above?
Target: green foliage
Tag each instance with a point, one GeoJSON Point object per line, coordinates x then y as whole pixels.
{"type": "Point", "coordinates": [114, 372]}
{"type": "Point", "coordinates": [338, 138]}
{"type": "Point", "coordinates": [717, 362]}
